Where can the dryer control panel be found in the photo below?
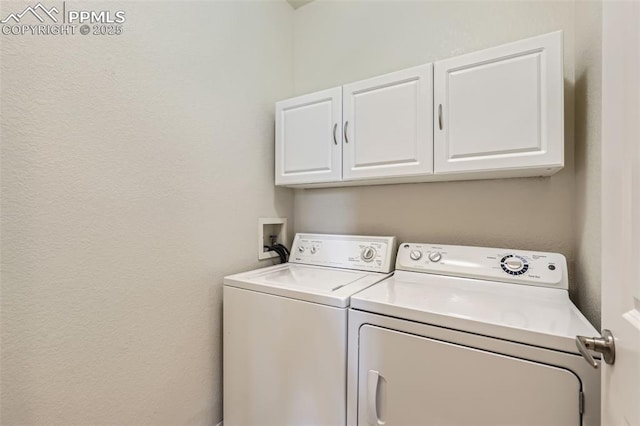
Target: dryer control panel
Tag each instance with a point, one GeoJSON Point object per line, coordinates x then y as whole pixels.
{"type": "Point", "coordinates": [364, 253]}
{"type": "Point", "coordinates": [495, 264]}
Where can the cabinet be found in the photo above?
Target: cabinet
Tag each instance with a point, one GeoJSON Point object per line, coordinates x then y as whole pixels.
{"type": "Point", "coordinates": [488, 114]}
{"type": "Point", "coordinates": [501, 109]}
{"type": "Point", "coordinates": [377, 128]}
{"type": "Point", "coordinates": [388, 129]}
{"type": "Point", "coordinates": [309, 138]}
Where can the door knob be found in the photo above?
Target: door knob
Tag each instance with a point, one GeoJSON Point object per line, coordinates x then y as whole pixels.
{"type": "Point", "coordinates": [605, 345]}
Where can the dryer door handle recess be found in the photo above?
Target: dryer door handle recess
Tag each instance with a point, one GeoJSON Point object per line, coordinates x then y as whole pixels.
{"type": "Point", "coordinates": [605, 345]}
{"type": "Point", "coordinates": [373, 378]}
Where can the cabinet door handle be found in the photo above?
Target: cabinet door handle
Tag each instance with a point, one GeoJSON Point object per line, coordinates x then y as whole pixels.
{"type": "Point", "coordinates": [346, 125]}
{"type": "Point", "coordinates": [335, 140]}
{"type": "Point", "coordinates": [440, 116]}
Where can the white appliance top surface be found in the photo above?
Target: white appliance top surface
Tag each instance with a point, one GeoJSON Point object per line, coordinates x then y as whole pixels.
{"type": "Point", "coordinates": [323, 280]}
{"type": "Point", "coordinates": [537, 316]}
{"type": "Point", "coordinates": [324, 268]}
{"type": "Point", "coordinates": [519, 308]}
{"type": "Point", "coordinates": [328, 286]}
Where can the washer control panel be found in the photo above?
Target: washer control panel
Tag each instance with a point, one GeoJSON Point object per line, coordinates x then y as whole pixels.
{"type": "Point", "coordinates": [366, 253]}
{"type": "Point", "coordinates": [495, 264]}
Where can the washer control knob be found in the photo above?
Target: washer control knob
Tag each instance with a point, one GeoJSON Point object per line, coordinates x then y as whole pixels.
{"type": "Point", "coordinates": [415, 254]}
{"type": "Point", "coordinates": [435, 256]}
{"type": "Point", "coordinates": [313, 250]}
{"type": "Point", "coordinates": [368, 253]}
{"type": "Point", "coordinates": [301, 249]}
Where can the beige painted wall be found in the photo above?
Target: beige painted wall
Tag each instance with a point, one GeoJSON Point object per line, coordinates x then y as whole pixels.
{"type": "Point", "coordinates": [339, 42]}
{"type": "Point", "coordinates": [134, 169]}
{"type": "Point", "coordinates": [588, 101]}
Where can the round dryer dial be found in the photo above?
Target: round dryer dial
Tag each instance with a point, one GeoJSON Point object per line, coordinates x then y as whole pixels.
{"type": "Point", "coordinates": [514, 265]}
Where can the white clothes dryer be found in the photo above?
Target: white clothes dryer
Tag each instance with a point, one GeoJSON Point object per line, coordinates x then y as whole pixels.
{"type": "Point", "coordinates": [285, 331]}
{"type": "Point", "coordinates": [470, 336]}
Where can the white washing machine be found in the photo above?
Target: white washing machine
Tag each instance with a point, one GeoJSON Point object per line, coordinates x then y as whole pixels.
{"type": "Point", "coordinates": [470, 336]}
{"type": "Point", "coordinates": [285, 331]}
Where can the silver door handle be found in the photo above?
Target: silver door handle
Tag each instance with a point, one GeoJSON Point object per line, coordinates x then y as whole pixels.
{"type": "Point", "coordinates": [440, 116]}
{"type": "Point", "coordinates": [346, 138]}
{"type": "Point", "coordinates": [605, 345]}
{"type": "Point", "coordinates": [335, 140]}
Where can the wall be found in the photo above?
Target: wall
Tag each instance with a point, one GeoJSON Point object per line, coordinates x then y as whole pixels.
{"type": "Point", "coordinates": [371, 38]}
{"type": "Point", "coordinates": [588, 103]}
{"type": "Point", "coordinates": [134, 169]}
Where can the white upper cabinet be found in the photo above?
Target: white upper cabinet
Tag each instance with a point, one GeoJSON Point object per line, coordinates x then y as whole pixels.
{"type": "Point", "coordinates": [388, 125]}
{"type": "Point", "coordinates": [309, 138]}
{"type": "Point", "coordinates": [489, 114]}
{"type": "Point", "coordinates": [501, 109]}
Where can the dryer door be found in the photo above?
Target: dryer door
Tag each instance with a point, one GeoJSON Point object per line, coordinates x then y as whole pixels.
{"type": "Point", "coordinates": [405, 379]}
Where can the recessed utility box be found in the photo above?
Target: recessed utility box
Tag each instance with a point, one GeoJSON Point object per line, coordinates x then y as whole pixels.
{"type": "Point", "coordinates": [271, 230]}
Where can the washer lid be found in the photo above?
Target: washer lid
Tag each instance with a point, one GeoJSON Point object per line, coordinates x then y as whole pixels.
{"type": "Point", "coordinates": [328, 286]}
{"type": "Point", "coordinates": [536, 316]}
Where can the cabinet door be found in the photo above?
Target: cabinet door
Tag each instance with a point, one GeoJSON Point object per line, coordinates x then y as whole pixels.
{"type": "Point", "coordinates": [501, 108]}
{"type": "Point", "coordinates": [405, 379]}
{"type": "Point", "coordinates": [309, 138]}
{"type": "Point", "coordinates": [388, 125]}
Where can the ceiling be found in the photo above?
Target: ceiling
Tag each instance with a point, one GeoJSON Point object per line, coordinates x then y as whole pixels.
{"type": "Point", "coordinates": [298, 3]}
